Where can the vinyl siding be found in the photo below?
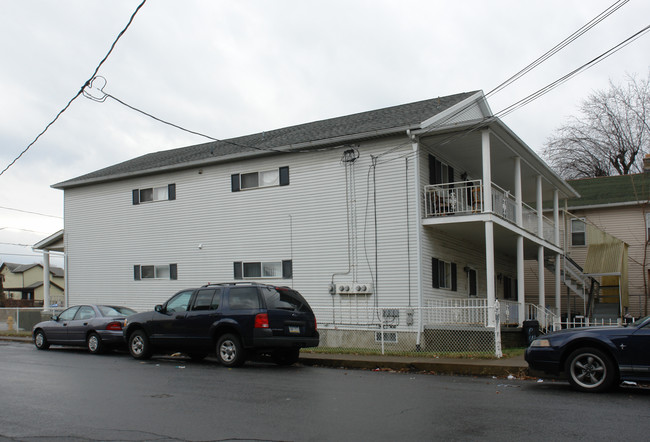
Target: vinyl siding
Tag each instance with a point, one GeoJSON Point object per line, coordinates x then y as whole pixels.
{"type": "Point", "coordinates": [106, 235]}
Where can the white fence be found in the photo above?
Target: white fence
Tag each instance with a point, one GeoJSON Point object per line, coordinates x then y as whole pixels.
{"type": "Point", "coordinates": [454, 326]}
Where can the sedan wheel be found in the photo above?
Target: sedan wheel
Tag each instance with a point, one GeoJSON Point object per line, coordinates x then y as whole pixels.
{"type": "Point", "coordinates": [40, 341]}
{"type": "Point", "coordinates": [590, 369]}
{"type": "Point", "coordinates": [230, 351]}
{"type": "Point", "coordinates": [139, 346]}
{"type": "Point", "coordinates": [94, 344]}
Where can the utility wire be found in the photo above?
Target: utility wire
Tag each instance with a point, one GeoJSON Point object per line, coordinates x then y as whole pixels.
{"type": "Point", "coordinates": [32, 213]}
{"type": "Point", "coordinates": [65, 108]}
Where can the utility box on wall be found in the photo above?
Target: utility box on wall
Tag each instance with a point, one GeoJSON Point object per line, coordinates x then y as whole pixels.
{"type": "Point", "coordinates": [351, 288]}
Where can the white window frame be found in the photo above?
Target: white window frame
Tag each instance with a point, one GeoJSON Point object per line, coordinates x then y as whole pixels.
{"type": "Point", "coordinates": [265, 178]}
{"type": "Point", "coordinates": [267, 269]}
{"type": "Point", "coordinates": [157, 194]}
{"type": "Point", "coordinates": [584, 232]}
{"type": "Point", "coordinates": [159, 271]}
{"type": "Point", "coordinates": [444, 274]}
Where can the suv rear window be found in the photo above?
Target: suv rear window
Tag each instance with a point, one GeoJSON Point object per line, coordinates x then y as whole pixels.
{"type": "Point", "coordinates": [284, 299]}
{"type": "Point", "coordinates": [243, 298]}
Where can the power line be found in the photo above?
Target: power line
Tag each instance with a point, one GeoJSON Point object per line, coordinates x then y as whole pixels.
{"type": "Point", "coordinates": [32, 213]}
{"type": "Point", "coordinates": [65, 108]}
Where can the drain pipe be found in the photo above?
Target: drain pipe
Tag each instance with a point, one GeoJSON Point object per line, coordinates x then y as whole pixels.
{"type": "Point", "coordinates": [418, 210]}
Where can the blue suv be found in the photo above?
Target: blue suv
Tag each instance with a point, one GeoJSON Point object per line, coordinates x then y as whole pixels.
{"type": "Point", "coordinates": [235, 320]}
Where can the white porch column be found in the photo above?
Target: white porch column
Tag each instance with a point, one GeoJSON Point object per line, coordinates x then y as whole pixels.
{"type": "Point", "coordinates": [418, 210]}
{"type": "Point", "coordinates": [558, 285]}
{"type": "Point", "coordinates": [518, 199]}
{"type": "Point", "coordinates": [521, 295]}
{"type": "Point", "coordinates": [489, 270]}
{"type": "Point", "coordinates": [487, 171]}
{"type": "Point", "coordinates": [540, 271]}
{"type": "Point", "coordinates": [540, 219]}
{"type": "Point", "coordinates": [46, 279]}
{"type": "Point", "coordinates": [489, 225]}
{"type": "Point", "coordinates": [556, 216]}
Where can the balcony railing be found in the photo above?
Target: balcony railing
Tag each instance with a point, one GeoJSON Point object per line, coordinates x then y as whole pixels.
{"type": "Point", "coordinates": [466, 197]}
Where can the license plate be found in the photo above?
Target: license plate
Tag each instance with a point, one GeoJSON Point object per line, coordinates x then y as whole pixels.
{"type": "Point", "coordinates": [294, 329]}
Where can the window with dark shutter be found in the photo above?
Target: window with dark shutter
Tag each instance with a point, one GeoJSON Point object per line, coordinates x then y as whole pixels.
{"type": "Point", "coordinates": [234, 182]}
{"type": "Point", "coordinates": [435, 273]}
{"type": "Point", "coordinates": [287, 269]}
{"type": "Point", "coordinates": [238, 273]}
{"type": "Point", "coordinates": [173, 271]}
{"type": "Point", "coordinates": [136, 272]}
{"type": "Point", "coordinates": [171, 191]}
{"type": "Point", "coordinates": [284, 176]}
{"type": "Point", "coordinates": [136, 197]}
{"type": "Point", "coordinates": [454, 279]}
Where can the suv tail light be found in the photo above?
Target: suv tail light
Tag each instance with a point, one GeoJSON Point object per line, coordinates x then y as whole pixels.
{"type": "Point", "coordinates": [315, 324]}
{"type": "Point", "coordinates": [262, 320]}
{"type": "Point", "coordinates": [115, 326]}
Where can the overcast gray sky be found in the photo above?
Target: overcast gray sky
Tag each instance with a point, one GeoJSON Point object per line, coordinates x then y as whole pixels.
{"type": "Point", "coordinates": [229, 68]}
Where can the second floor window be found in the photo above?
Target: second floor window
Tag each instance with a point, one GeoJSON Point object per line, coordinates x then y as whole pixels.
{"type": "Point", "coordinates": [165, 271]}
{"type": "Point", "coordinates": [263, 269]}
{"type": "Point", "coordinates": [151, 194]}
{"type": "Point", "coordinates": [265, 178]}
{"type": "Point", "coordinates": [578, 232]}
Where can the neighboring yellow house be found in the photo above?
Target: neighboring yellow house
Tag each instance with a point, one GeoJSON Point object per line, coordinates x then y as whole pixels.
{"type": "Point", "coordinates": [23, 284]}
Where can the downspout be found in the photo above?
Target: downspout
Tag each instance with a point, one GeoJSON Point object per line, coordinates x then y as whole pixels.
{"type": "Point", "coordinates": [418, 236]}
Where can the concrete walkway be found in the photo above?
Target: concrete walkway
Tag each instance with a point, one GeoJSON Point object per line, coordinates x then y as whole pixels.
{"type": "Point", "coordinates": [515, 366]}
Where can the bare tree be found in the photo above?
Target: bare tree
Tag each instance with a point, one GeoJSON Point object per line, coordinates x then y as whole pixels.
{"type": "Point", "coordinates": [610, 135]}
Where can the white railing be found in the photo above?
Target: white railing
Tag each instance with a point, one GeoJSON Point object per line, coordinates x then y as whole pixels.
{"type": "Point", "coordinates": [466, 197]}
{"type": "Point", "coordinates": [441, 326]}
{"type": "Point", "coordinates": [461, 197]}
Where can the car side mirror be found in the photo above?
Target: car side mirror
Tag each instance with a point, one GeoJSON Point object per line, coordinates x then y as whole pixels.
{"type": "Point", "coordinates": [55, 317]}
{"type": "Point", "coordinates": [159, 308]}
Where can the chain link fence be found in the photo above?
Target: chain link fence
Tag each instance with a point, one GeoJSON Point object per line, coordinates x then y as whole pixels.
{"type": "Point", "coordinates": [22, 319]}
{"type": "Point", "coordinates": [443, 327]}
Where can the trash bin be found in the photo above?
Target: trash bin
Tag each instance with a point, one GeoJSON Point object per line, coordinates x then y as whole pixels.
{"type": "Point", "coordinates": [530, 330]}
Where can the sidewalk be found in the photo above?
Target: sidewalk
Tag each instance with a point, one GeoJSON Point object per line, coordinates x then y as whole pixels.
{"type": "Point", "coordinates": [515, 366]}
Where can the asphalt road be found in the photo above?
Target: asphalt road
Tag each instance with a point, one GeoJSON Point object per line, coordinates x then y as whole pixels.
{"type": "Point", "coordinates": [67, 394]}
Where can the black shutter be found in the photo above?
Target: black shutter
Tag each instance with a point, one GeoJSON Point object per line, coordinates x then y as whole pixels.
{"type": "Point", "coordinates": [171, 191]}
{"type": "Point", "coordinates": [136, 272]}
{"type": "Point", "coordinates": [450, 172]}
{"type": "Point", "coordinates": [284, 176]}
{"type": "Point", "coordinates": [173, 271]}
{"type": "Point", "coordinates": [238, 270]}
{"type": "Point", "coordinates": [435, 170]}
{"type": "Point", "coordinates": [234, 182]}
{"type": "Point", "coordinates": [136, 196]}
{"type": "Point", "coordinates": [435, 273]}
{"type": "Point", "coordinates": [287, 269]}
{"type": "Point", "coordinates": [454, 279]}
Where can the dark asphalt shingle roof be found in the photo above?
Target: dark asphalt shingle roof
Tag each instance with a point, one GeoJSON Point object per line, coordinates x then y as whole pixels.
{"type": "Point", "coordinates": [611, 190]}
{"type": "Point", "coordinates": [395, 117]}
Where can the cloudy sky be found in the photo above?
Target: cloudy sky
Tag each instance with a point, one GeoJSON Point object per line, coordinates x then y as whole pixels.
{"type": "Point", "coordinates": [229, 68]}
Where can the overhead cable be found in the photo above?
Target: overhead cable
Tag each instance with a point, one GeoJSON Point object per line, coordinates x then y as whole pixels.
{"type": "Point", "coordinates": [65, 108]}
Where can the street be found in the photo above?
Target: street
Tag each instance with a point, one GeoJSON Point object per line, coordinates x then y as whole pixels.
{"type": "Point", "coordinates": [68, 394]}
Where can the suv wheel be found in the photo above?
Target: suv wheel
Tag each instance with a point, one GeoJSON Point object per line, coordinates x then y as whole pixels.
{"type": "Point", "coordinates": [286, 356]}
{"type": "Point", "coordinates": [230, 351]}
{"type": "Point", "coordinates": [139, 346]}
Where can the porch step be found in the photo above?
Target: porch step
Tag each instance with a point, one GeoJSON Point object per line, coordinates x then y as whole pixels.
{"type": "Point", "coordinates": [606, 311]}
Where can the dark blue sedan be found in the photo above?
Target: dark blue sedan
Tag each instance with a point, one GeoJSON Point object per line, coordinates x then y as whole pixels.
{"type": "Point", "coordinates": [594, 358]}
{"type": "Point", "coordinates": [96, 327]}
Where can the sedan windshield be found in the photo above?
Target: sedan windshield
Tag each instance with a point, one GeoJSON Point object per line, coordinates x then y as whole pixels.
{"type": "Point", "coordinates": [112, 311]}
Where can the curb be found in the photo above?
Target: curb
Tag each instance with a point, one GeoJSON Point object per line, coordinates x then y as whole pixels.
{"type": "Point", "coordinates": [465, 367]}
{"type": "Point", "coordinates": [500, 368]}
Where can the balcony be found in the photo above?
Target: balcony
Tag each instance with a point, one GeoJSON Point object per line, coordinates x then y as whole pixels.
{"type": "Point", "coordinates": [466, 198]}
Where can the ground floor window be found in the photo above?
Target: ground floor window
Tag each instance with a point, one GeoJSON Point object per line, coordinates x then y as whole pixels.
{"type": "Point", "coordinates": [263, 269]}
{"type": "Point", "coordinates": [444, 274]}
{"type": "Point", "coordinates": [164, 271]}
